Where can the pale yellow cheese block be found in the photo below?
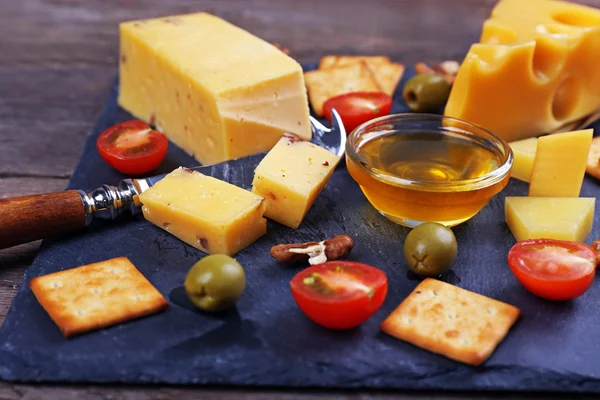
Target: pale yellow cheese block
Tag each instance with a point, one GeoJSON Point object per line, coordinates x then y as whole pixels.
{"type": "Point", "coordinates": [559, 164]}
{"type": "Point", "coordinates": [524, 152]}
{"type": "Point", "coordinates": [560, 218]}
{"type": "Point", "coordinates": [214, 89]}
{"type": "Point", "coordinates": [534, 70]}
{"type": "Point", "coordinates": [291, 176]}
{"type": "Point", "coordinates": [206, 213]}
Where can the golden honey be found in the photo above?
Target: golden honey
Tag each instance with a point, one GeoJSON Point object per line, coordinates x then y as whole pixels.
{"type": "Point", "coordinates": [434, 175]}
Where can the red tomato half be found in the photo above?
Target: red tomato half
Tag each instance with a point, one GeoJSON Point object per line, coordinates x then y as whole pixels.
{"type": "Point", "coordinates": [339, 294]}
{"type": "Point", "coordinates": [553, 269]}
{"type": "Point", "coordinates": [358, 107]}
{"type": "Point", "coordinates": [132, 147]}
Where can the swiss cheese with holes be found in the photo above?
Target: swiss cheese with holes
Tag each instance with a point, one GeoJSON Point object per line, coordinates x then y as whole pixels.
{"type": "Point", "coordinates": [96, 295]}
{"type": "Point", "coordinates": [533, 71]}
{"type": "Point", "coordinates": [451, 321]}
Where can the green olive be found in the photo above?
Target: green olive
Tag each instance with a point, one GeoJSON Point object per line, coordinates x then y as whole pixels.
{"type": "Point", "coordinates": [430, 249]}
{"type": "Point", "coordinates": [215, 282]}
{"type": "Point", "coordinates": [426, 92]}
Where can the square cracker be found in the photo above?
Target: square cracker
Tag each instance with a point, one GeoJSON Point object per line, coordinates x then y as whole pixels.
{"type": "Point", "coordinates": [388, 76]}
{"type": "Point", "coordinates": [386, 73]}
{"type": "Point", "coordinates": [451, 321]}
{"type": "Point", "coordinates": [96, 295]}
{"type": "Point", "coordinates": [339, 61]}
{"type": "Point", "coordinates": [324, 84]}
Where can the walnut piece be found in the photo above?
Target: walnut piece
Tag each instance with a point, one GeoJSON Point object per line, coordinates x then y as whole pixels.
{"type": "Point", "coordinates": [313, 252]}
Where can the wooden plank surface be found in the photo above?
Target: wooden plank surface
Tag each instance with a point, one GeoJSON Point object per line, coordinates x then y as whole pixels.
{"type": "Point", "coordinates": [58, 59]}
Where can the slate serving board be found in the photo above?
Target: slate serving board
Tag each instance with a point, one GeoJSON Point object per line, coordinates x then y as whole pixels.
{"type": "Point", "coordinates": [267, 340]}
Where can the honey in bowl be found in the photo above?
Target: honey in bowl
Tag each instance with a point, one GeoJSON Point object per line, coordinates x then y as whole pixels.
{"type": "Point", "coordinates": [416, 168]}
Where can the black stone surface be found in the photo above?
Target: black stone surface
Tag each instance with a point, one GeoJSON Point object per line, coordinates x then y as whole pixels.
{"type": "Point", "coordinates": [267, 340]}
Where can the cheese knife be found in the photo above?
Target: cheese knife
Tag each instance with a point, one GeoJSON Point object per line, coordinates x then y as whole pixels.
{"type": "Point", "coordinates": [28, 218]}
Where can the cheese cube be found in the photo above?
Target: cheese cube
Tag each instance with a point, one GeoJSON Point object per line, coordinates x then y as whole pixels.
{"type": "Point", "coordinates": [206, 213]}
{"type": "Point", "coordinates": [291, 176]}
{"type": "Point", "coordinates": [559, 164]}
{"type": "Point", "coordinates": [215, 90]}
{"type": "Point", "coordinates": [533, 71]}
{"type": "Point", "coordinates": [560, 218]}
{"type": "Point", "coordinates": [524, 152]}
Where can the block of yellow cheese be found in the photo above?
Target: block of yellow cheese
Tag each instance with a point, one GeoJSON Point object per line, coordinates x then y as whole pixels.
{"type": "Point", "coordinates": [534, 70]}
{"type": "Point", "coordinates": [524, 152]}
{"type": "Point", "coordinates": [559, 164]}
{"type": "Point", "coordinates": [206, 213]}
{"type": "Point", "coordinates": [291, 176]}
{"type": "Point", "coordinates": [215, 90]}
{"type": "Point", "coordinates": [560, 218]}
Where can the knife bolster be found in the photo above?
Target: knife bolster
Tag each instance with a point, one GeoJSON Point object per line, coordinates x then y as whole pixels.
{"type": "Point", "coordinates": [108, 202]}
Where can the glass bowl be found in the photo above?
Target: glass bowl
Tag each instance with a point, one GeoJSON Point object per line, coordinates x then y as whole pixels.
{"type": "Point", "coordinates": [416, 168]}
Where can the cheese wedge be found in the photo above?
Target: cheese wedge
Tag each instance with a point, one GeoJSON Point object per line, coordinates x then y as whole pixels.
{"type": "Point", "coordinates": [524, 152]}
{"type": "Point", "coordinates": [291, 176]}
{"type": "Point", "coordinates": [215, 90]}
{"type": "Point", "coordinates": [559, 218]}
{"type": "Point", "coordinates": [533, 71]}
{"type": "Point", "coordinates": [206, 213]}
{"type": "Point", "coordinates": [559, 164]}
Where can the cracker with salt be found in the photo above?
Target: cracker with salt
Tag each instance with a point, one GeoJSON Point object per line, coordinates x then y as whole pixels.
{"type": "Point", "coordinates": [593, 161]}
{"type": "Point", "coordinates": [451, 321]}
{"type": "Point", "coordinates": [96, 295]}
{"type": "Point", "coordinates": [327, 83]}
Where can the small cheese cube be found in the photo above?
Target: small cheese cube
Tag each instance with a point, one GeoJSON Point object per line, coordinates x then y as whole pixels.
{"type": "Point", "coordinates": [291, 176]}
{"type": "Point", "coordinates": [206, 213]}
{"type": "Point", "coordinates": [215, 90]}
{"type": "Point", "coordinates": [559, 164]}
{"type": "Point", "coordinates": [560, 218]}
{"type": "Point", "coordinates": [524, 152]}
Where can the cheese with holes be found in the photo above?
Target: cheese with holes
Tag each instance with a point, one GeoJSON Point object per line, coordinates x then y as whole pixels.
{"type": "Point", "coordinates": [524, 152]}
{"type": "Point", "coordinates": [561, 218]}
{"type": "Point", "coordinates": [215, 90]}
{"type": "Point", "coordinates": [291, 176]}
{"type": "Point", "coordinates": [209, 214]}
{"type": "Point", "coordinates": [559, 164]}
{"type": "Point", "coordinates": [534, 70]}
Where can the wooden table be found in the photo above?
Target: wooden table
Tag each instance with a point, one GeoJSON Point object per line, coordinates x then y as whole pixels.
{"type": "Point", "coordinates": [58, 59]}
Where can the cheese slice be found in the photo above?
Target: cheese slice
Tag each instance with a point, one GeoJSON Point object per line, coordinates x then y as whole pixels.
{"type": "Point", "coordinates": [215, 90]}
{"type": "Point", "coordinates": [559, 218]}
{"type": "Point", "coordinates": [559, 164]}
{"type": "Point", "coordinates": [524, 154]}
{"type": "Point", "coordinates": [206, 213]}
{"type": "Point", "coordinates": [291, 176]}
{"type": "Point", "coordinates": [533, 71]}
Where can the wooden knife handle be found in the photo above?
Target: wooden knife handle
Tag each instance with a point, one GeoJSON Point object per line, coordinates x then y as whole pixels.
{"type": "Point", "coordinates": [27, 218]}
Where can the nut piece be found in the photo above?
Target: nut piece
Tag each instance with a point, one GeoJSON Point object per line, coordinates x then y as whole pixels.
{"type": "Point", "coordinates": [593, 161]}
{"type": "Point", "coordinates": [314, 252]}
{"type": "Point", "coordinates": [448, 69]}
{"type": "Point", "coordinates": [596, 247]}
{"type": "Point", "coordinates": [283, 49]}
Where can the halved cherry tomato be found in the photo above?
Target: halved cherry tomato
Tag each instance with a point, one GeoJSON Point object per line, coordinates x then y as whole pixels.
{"type": "Point", "coordinates": [553, 269]}
{"type": "Point", "coordinates": [358, 107]}
{"type": "Point", "coordinates": [339, 294]}
{"type": "Point", "coordinates": [132, 147]}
